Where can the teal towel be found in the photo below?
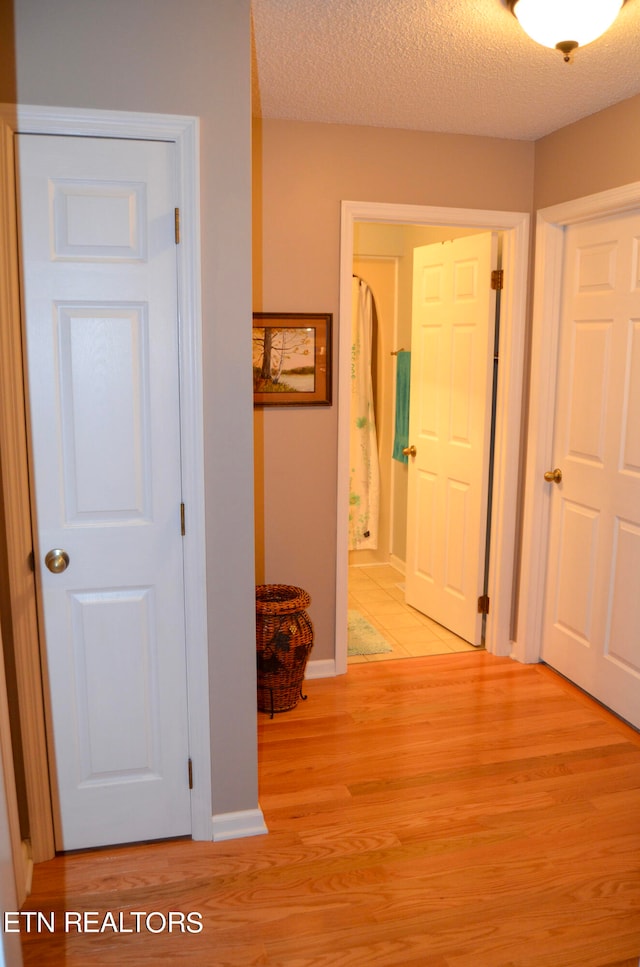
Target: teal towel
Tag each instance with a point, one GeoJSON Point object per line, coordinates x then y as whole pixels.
{"type": "Point", "coordinates": [403, 386]}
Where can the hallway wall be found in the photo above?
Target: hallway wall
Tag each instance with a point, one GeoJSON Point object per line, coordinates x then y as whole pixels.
{"type": "Point", "coordinates": [148, 56]}
{"type": "Point", "coordinates": [594, 154]}
{"type": "Point", "coordinates": [302, 174]}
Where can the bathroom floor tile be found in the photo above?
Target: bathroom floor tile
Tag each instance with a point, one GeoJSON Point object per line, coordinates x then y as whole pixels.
{"type": "Point", "coordinates": [377, 592]}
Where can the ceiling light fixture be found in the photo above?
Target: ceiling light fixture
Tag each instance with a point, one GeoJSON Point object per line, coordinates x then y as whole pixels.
{"type": "Point", "coordinates": [565, 24]}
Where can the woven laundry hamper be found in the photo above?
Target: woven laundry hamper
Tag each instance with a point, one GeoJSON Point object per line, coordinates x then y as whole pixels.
{"type": "Point", "coordinates": [284, 638]}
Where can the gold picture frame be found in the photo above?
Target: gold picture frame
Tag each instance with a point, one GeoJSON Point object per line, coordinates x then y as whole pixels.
{"type": "Point", "coordinates": [292, 358]}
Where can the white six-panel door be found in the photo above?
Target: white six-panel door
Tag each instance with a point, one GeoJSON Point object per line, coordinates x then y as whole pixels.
{"type": "Point", "coordinates": [449, 426]}
{"type": "Point", "coordinates": [100, 303]}
{"type": "Point", "coordinates": [592, 610]}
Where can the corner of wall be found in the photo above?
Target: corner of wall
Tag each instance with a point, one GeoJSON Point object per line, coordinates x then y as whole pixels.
{"type": "Point", "coordinates": [236, 825]}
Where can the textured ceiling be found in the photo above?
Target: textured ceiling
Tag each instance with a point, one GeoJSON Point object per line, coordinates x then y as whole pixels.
{"type": "Point", "coordinates": [457, 66]}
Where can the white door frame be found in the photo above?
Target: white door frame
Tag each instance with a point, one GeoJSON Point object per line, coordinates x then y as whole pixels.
{"type": "Point", "coordinates": [184, 132]}
{"type": "Point", "coordinates": [13, 889]}
{"type": "Point", "coordinates": [515, 229]}
{"type": "Point", "coordinates": [550, 234]}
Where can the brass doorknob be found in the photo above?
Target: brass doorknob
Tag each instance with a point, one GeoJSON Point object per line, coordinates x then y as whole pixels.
{"type": "Point", "coordinates": [57, 560]}
{"type": "Point", "coordinates": [409, 451]}
{"type": "Point", "coordinates": [553, 476]}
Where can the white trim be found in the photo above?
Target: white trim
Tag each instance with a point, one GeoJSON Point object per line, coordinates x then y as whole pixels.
{"type": "Point", "coordinates": [32, 119]}
{"type": "Point", "coordinates": [184, 132]}
{"type": "Point", "coordinates": [244, 822]}
{"type": "Point", "coordinates": [17, 513]}
{"type": "Point", "coordinates": [322, 668]}
{"type": "Point", "coordinates": [19, 854]}
{"type": "Point", "coordinates": [550, 232]}
{"type": "Point", "coordinates": [515, 226]}
{"type": "Point", "coordinates": [27, 863]}
{"type": "Point", "coordinates": [398, 564]}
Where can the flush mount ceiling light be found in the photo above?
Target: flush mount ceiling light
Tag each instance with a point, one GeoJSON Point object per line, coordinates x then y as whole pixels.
{"type": "Point", "coordinates": [565, 24]}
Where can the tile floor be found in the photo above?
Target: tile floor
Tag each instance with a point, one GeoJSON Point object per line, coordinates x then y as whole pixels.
{"type": "Point", "coordinates": [374, 591]}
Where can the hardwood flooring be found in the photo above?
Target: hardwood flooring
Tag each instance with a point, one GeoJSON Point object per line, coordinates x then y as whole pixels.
{"type": "Point", "coordinates": [453, 811]}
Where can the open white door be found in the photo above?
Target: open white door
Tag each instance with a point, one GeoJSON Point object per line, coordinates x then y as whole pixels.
{"type": "Point", "coordinates": [99, 268]}
{"type": "Point", "coordinates": [450, 429]}
{"type": "Point", "coordinates": [592, 610]}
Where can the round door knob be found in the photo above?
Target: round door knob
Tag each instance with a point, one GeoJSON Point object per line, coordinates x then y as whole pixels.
{"type": "Point", "coordinates": [409, 451]}
{"type": "Point", "coordinates": [553, 476]}
{"type": "Point", "coordinates": [57, 560]}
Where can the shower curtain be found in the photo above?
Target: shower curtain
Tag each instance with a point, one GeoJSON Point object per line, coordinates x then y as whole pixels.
{"type": "Point", "coordinates": [364, 486]}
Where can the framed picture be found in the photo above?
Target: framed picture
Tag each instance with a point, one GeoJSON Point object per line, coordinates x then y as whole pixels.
{"type": "Point", "coordinates": [291, 358]}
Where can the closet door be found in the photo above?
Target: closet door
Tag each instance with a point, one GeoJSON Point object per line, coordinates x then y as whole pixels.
{"type": "Point", "coordinates": [592, 611]}
{"type": "Point", "coordinates": [100, 274]}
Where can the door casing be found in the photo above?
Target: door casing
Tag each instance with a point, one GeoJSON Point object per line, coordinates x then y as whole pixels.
{"type": "Point", "coordinates": [549, 253]}
{"type": "Point", "coordinates": [184, 132]}
{"type": "Point", "coordinates": [515, 229]}
{"type": "Point", "coordinates": [20, 589]}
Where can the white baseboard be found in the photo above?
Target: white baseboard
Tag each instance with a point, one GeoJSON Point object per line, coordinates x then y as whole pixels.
{"type": "Point", "coordinates": [244, 822]}
{"type": "Point", "coordinates": [322, 668]}
{"type": "Point", "coordinates": [28, 864]}
{"type": "Point", "coordinates": [398, 564]}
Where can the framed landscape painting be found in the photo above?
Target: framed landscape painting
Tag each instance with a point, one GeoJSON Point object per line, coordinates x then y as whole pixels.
{"type": "Point", "coordinates": [291, 358]}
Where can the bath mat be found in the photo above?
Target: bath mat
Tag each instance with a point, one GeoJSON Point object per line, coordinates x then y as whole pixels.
{"type": "Point", "coordinates": [363, 638]}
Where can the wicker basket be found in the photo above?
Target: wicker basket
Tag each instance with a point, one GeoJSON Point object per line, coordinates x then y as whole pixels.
{"type": "Point", "coordinates": [284, 638]}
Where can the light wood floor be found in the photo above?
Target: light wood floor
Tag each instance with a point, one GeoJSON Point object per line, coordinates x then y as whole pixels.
{"type": "Point", "coordinates": [454, 811]}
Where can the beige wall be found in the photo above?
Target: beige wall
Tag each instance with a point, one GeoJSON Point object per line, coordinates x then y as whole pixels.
{"type": "Point", "coordinates": [303, 172]}
{"type": "Point", "coordinates": [592, 155]}
{"type": "Point", "coordinates": [162, 56]}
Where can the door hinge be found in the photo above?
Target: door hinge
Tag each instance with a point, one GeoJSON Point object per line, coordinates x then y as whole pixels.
{"type": "Point", "coordinates": [483, 604]}
{"type": "Point", "coordinates": [183, 529]}
{"type": "Point", "coordinates": [190, 768]}
{"type": "Point", "coordinates": [177, 225]}
{"type": "Point", "coordinates": [497, 279]}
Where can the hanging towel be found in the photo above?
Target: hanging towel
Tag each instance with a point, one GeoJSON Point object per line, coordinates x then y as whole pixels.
{"type": "Point", "coordinates": [403, 387]}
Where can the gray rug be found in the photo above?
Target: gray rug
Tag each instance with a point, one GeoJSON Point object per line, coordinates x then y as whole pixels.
{"type": "Point", "coordinates": [363, 639]}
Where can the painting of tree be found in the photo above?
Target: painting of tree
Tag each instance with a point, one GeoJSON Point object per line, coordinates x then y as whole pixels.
{"type": "Point", "coordinates": [284, 359]}
{"type": "Point", "coordinates": [291, 357]}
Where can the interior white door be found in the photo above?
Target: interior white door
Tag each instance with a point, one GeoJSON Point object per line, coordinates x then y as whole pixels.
{"type": "Point", "coordinates": [450, 427]}
{"type": "Point", "coordinates": [100, 286]}
{"type": "Point", "coordinates": [592, 603]}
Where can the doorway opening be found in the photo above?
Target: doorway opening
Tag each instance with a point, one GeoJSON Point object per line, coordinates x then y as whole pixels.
{"type": "Point", "coordinates": [419, 522]}
{"type": "Point", "coordinates": [358, 221]}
